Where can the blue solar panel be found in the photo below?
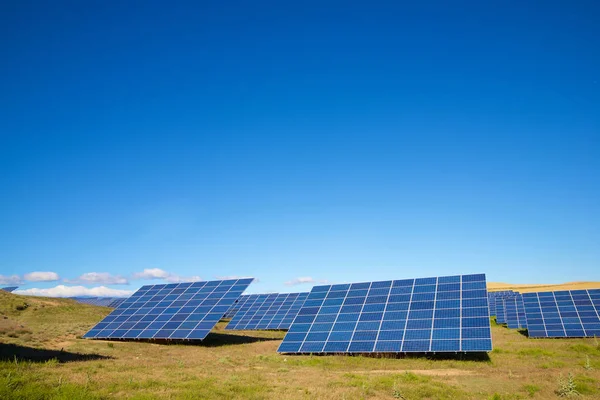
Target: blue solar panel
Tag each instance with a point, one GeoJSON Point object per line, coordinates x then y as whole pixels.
{"type": "Point", "coordinates": [445, 314]}
{"type": "Point", "coordinates": [236, 306]}
{"type": "Point", "coordinates": [568, 313]}
{"type": "Point", "coordinates": [500, 312]}
{"type": "Point", "coordinates": [493, 296]}
{"type": "Point", "coordinates": [174, 311]}
{"type": "Point", "coordinates": [99, 301]}
{"type": "Point", "coordinates": [515, 312]}
{"type": "Point", "coordinates": [268, 311]}
{"type": "Point", "coordinates": [9, 288]}
{"type": "Point", "coordinates": [117, 302]}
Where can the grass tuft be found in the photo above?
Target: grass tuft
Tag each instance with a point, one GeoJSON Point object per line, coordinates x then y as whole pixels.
{"type": "Point", "coordinates": [567, 387]}
{"type": "Point", "coordinates": [531, 389]}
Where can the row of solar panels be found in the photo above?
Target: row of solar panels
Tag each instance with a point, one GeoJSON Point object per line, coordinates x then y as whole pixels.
{"type": "Point", "coordinates": [112, 302]}
{"type": "Point", "coordinates": [440, 314]}
{"type": "Point", "coordinates": [567, 313]}
{"type": "Point", "coordinates": [9, 288]}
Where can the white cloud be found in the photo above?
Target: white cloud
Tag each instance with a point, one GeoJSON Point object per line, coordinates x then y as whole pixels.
{"type": "Point", "coordinates": [100, 277]}
{"type": "Point", "coordinates": [10, 280]}
{"type": "Point", "coordinates": [151, 273]}
{"type": "Point", "coordinates": [304, 279]}
{"type": "Point", "coordinates": [157, 273]}
{"type": "Point", "coordinates": [42, 276]}
{"type": "Point", "coordinates": [177, 278]}
{"type": "Point", "coordinates": [73, 291]}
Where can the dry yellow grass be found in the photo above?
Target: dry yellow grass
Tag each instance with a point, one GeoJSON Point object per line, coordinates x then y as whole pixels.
{"type": "Point", "coordinates": [245, 365]}
{"type": "Point", "coordinates": [527, 287]}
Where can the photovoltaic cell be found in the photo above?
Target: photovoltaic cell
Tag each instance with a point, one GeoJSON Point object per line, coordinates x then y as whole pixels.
{"type": "Point", "coordinates": [515, 312]}
{"type": "Point", "coordinates": [174, 311]}
{"type": "Point", "coordinates": [236, 306]}
{"type": "Point", "coordinates": [117, 302]}
{"type": "Point", "coordinates": [9, 288]}
{"type": "Point", "coordinates": [492, 296]}
{"type": "Point", "coordinates": [445, 314]}
{"type": "Point", "coordinates": [500, 311]}
{"type": "Point", "coordinates": [567, 313]}
{"type": "Point", "coordinates": [267, 311]}
{"type": "Point", "coordinates": [100, 301]}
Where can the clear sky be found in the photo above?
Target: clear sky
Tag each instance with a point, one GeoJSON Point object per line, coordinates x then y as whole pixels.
{"type": "Point", "coordinates": [304, 142]}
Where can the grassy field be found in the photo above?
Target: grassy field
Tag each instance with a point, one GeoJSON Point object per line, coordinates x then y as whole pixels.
{"type": "Point", "coordinates": [41, 357]}
{"type": "Point", "coordinates": [495, 286]}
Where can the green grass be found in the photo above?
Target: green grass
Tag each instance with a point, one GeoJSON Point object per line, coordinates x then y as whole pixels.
{"type": "Point", "coordinates": [245, 365]}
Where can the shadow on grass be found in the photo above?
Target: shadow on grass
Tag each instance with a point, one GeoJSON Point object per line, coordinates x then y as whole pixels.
{"type": "Point", "coordinates": [213, 339]}
{"type": "Point", "coordinates": [16, 353]}
{"type": "Point", "coordinates": [478, 357]}
{"type": "Point", "coordinates": [523, 332]}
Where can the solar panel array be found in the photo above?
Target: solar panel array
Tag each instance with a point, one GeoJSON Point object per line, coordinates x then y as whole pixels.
{"type": "Point", "coordinates": [568, 313]}
{"type": "Point", "coordinates": [514, 312]}
{"type": "Point", "coordinates": [101, 301]}
{"type": "Point", "coordinates": [492, 296]}
{"type": "Point", "coordinates": [236, 306]}
{"type": "Point", "coordinates": [9, 288]}
{"type": "Point", "coordinates": [267, 311]}
{"type": "Point", "coordinates": [445, 314]}
{"type": "Point", "coordinates": [173, 311]}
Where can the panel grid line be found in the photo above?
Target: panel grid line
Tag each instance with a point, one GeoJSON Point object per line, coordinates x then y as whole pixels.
{"type": "Point", "coordinates": [433, 315]}
{"type": "Point", "coordinates": [461, 314]}
{"type": "Point", "coordinates": [577, 311]}
{"type": "Point", "coordinates": [412, 291]}
{"type": "Point", "coordinates": [359, 313]}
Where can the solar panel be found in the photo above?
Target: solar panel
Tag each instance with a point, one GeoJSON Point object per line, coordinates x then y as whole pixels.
{"type": "Point", "coordinates": [9, 288]}
{"type": "Point", "coordinates": [568, 313]}
{"type": "Point", "coordinates": [515, 312]}
{"type": "Point", "coordinates": [100, 301]}
{"type": "Point", "coordinates": [267, 311]}
{"type": "Point", "coordinates": [236, 306]}
{"type": "Point", "coordinates": [500, 312]}
{"type": "Point", "coordinates": [444, 314]}
{"type": "Point", "coordinates": [173, 311]}
{"type": "Point", "coordinates": [117, 302]}
{"type": "Point", "coordinates": [493, 296]}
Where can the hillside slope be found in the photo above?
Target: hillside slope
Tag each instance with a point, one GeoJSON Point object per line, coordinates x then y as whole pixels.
{"type": "Point", "coordinates": [44, 321]}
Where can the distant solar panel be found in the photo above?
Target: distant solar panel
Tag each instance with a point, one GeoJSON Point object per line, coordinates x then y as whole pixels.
{"type": "Point", "coordinates": [568, 313]}
{"type": "Point", "coordinates": [173, 311]}
{"type": "Point", "coordinates": [267, 311]}
{"type": "Point", "coordinates": [493, 296]}
{"type": "Point", "coordinates": [445, 314]}
{"type": "Point", "coordinates": [500, 311]}
{"type": "Point", "coordinates": [100, 301]}
{"type": "Point", "coordinates": [9, 288]}
{"type": "Point", "coordinates": [236, 306]}
{"type": "Point", "coordinates": [515, 312]}
{"type": "Point", "coordinates": [117, 302]}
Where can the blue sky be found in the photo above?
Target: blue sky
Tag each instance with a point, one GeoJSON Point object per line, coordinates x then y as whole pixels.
{"type": "Point", "coordinates": [312, 142]}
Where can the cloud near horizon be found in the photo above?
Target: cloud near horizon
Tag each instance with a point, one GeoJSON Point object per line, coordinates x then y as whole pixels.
{"type": "Point", "coordinates": [305, 279]}
{"type": "Point", "coordinates": [157, 273]}
{"type": "Point", "coordinates": [10, 280]}
{"type": "Point", "coordinates": [99, 277]}
{"type": "Point", "coordinates": [42, 276]}
{"type": "Point", "coordinates": [75, 291]}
